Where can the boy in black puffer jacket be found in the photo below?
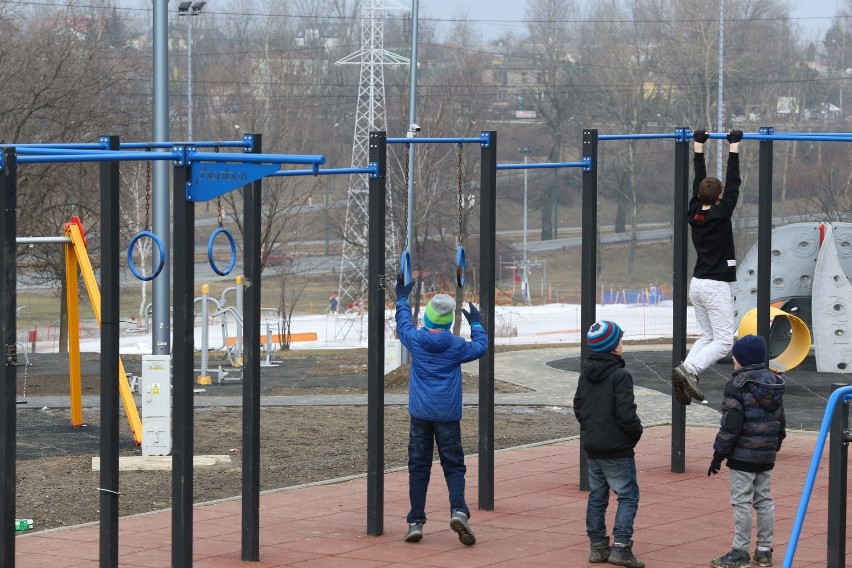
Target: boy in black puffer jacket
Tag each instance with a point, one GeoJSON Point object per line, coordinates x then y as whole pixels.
{"type": "Point", "coordinates": [609, 430]}
{"type": "Point", "coordinates": [753, 427]}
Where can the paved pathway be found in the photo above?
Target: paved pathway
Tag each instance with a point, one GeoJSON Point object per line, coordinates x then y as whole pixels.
{"type": "Point", "coordinates": [684, 519]}
{"type": "Point", "coordinates": [538, 519]}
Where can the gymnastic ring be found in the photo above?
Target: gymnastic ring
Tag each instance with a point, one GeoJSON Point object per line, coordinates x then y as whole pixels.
{"type": "Point", "coordinates": [233, 251]}
{"type": "Point", "coordinates": [159, 243]}
{"type": "Point", "coordinates": [405, 266]}
{"type": "Point", "coordinates": [461, 266]}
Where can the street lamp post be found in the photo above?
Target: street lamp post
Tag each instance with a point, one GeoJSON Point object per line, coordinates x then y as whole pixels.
{"type": "Point", "coordinates": [189, 9]}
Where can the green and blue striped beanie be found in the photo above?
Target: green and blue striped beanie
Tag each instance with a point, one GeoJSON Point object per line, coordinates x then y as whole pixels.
{"type": "Point", "coordinates": [604, 336]}
{"type": "Point", "coordinates": [440, 312]}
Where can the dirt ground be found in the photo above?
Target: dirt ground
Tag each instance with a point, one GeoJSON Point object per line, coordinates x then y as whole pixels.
{"type": "Point", "coordinates": [57, 487]}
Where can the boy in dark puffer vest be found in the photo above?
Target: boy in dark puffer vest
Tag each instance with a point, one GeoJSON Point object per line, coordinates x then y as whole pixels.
{"type": "Point", "coordinates": [752, 429]}
{"type": "Point", "coordinates": [609, 430]}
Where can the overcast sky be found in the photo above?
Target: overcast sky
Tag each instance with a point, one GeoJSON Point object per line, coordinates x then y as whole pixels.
{"type": "Point", "coordinates": [496, 16]}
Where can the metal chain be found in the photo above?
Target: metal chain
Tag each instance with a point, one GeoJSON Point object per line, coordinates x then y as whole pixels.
{"type": "Point", "coordinates": [407, 158]}
{"type": "Point", "coordinates": [147, 195]}
{"type": "Point", "coordinates": [26, 346]}
{"type": "Point", "coordinates": [220, 215]}
{"type": "Point", "coordinates": [461, 199]}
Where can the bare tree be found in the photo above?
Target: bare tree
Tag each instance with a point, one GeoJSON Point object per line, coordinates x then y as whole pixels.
{"type": "Point", "coordinates": [553, 55]}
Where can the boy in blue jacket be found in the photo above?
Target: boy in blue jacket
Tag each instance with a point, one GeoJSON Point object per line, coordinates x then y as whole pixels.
{"type": "Point", "coordinates": [435, 403]}
{"type": "Point", "coordinates": [752, 429]}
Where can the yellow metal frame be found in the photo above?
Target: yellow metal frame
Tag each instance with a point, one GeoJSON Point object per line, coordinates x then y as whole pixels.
{"type": "Point", "coordinates": [76, 255]}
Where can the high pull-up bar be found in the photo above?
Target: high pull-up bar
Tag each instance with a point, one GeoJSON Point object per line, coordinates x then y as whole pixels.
{"type": "Point", "coordinates": [484, 140]}
{"type": "Point", "coordinates": [585, 163]}
{"type": "Point", "coordinates": [246, 143]}
{"type": "Point", "coordinates": [768, 134]}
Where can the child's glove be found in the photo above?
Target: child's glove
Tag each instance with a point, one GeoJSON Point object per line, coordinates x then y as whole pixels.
{"type": "Point", "coordinates": [700, 136]}
{"type": "Point", "coordinates": [715, 465]}
{"type": "Point", "coordinates": [403, 289]}
{"type": "Point", "coordinates": [473, 316]}
{"type": "Point", "coordinates": [734, 136]}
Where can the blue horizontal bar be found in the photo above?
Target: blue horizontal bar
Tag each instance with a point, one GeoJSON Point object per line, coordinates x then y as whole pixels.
{"type": "Point", "coordinates": [541, 165]}
{"type": "Point", "coordinates": [170, 145]}
{"type": "Point", "coordinates": [635, 136]}
{"type": "Point", "coordinates": [325, 172]}
{"type": "Point", "coordinates": [256, 158]}
{"type": "Point", "coordinates": [131, 145]}
{"type": "Point", "coordinates": [435, 140]}
{"type": "Point", "coordinates": [102, 156]}
{"type": "Point", "coordinates": [787, 136]}
{"type": "Point", "coordinates": [53, 151]}
{"type": "Point", "coordinates": [80, 146]}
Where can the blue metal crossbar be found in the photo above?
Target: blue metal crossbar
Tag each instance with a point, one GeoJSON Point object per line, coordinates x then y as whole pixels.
{"type": "Point", "coordinates": [326, 172]}
{"type": "Point", "coordinates": [585, 163]}
{"type": "Point", "coordinates": [100, 156]}
{"type": "Point", "coordinates": [845, 393]}
{"type": "Point", "coordinates": [54, 151]}
{"type": "Point", "coordinates": [29, 148]}
{"type": "Point", "coordinates": [193, 156]}
{"type": "Point", "coordinates": [76, 146]}
{"type": "Point", "coordinates": [673, 135]}
{"type": "Point", "coordinates": [483, 140]}
{"type": "Point", "coordinates": [803, 136]}
{"type": "Point", "coordinates": [168, 145]}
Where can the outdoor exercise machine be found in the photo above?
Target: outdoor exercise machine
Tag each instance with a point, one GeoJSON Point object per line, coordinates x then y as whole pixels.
{"type": "Point", "coordinates": [212, 170]}
{"type": "Point", "coordinates": [487, 142]}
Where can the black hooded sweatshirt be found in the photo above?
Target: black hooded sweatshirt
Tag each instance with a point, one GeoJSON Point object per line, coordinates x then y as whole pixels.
{"type": "Point", "coordinates": [712, 231]}
{"type": "Point", "coordinates": [605, 409]}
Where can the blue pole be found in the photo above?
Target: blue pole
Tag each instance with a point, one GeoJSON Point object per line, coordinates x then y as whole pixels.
{"type": "Point", "coordinates": [812, 471]}
{"type": "Point", "coordinates": [542, 165]}
{"type": "Point", "coordinates": [480, 140]}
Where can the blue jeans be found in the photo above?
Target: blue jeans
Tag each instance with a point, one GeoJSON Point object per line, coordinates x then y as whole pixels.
{"type": "Point", "coordinates": [420, 447]}
{"type": "Point", "coordinates": [618, 475]}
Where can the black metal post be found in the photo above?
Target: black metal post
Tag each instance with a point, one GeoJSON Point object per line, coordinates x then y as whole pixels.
{"type": "Point", "coordinates": [589, 261]}
{"type": "Point", "coordinates": [251, 368]}
{"type": "Point", "coordinates": [376, 338]}
{"type": "Point", "coordinates": [8, 372]}
{"type": "Point", "coordinates": [487, 270]}
{"type": "Point", "coordinates": [680, 258]}
{"type": "Point", "coordinates": [838, 465]}
{"type": "Point", "coordinates": [184, 376]}
{"type": "Point", "coordinates": [109, 482]}
{"type": "Point", "coordinates": [764, 233]}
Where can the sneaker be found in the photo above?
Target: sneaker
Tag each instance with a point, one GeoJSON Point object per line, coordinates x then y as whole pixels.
{"type": "Point", "coordinates": [415, 532]}
{"type": "Point", "coordinates": [688, 382]}
{"type": "Point", "coordinates": [459, 523]}
{"type": "Point", "coordinates": [733, 559]}
{"type": "Point", "coordinates": [763, 557]}
{"type": "Point", "coordinates": [680, 394]}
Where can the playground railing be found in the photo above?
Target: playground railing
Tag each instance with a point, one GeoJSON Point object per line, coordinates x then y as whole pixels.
{"type": "Point", "coordinates": [835, 421]}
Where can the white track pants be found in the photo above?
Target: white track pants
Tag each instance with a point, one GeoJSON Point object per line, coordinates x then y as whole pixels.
{"type": "Point", "coordinates": [714, 310]}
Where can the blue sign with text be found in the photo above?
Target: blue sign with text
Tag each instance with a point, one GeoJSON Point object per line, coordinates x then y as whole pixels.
{"type": "Point", "coordinates": [210, 180]}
